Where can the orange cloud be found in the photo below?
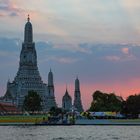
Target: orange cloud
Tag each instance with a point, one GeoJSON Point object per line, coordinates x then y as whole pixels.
{"type": "Point", "coordinates": [125, 50]}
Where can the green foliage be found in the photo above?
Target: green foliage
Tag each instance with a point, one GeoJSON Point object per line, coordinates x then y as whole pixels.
{"type": "Point", "coordinates": [132, 105]}
{"type": "Point", "coordinates": [32, 102]}
{"type": "Point", "coordinates": [105, 102]}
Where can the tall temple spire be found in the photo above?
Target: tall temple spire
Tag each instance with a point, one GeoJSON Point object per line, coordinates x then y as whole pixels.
{"type": "Point", "coordinates": [77, 96]}
{"type": "Point", "coordinates": [77, 84]}
{"type": "Point", "coordinates": [66, 93]}
{"type": "Point", "coordinates": [28, 19]}
{"type": "Point", "coordinates": [50, 78]}
{"type": "Point", "coordinates": [28, 56]}
{"type": "Point", "coordinates": [51, 96]}
{"type": "Point", "coordinates": [28, 33]}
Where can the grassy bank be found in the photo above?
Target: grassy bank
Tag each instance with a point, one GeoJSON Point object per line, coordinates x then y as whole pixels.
{"type": "Point", "coordinates": [38, 118]}
{"type": "Point", "coordinates": [21, 119]}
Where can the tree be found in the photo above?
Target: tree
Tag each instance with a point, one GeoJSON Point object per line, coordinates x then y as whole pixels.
{"type": "Point", "coordinates": [32, 102]}
{"type": "Point", "coordinates": [55, 111]}
{"type": "Point", "coordinates": [132, 106]}
{"type": "Point", "coordinates": [105, 102]}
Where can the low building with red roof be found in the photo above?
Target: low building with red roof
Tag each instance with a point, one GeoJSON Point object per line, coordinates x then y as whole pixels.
{"type": "Point", "coordinates": [6, 107]}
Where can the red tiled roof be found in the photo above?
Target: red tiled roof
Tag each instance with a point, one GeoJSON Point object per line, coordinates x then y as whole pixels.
{"type": "Point", "coordinates": [7, 107]}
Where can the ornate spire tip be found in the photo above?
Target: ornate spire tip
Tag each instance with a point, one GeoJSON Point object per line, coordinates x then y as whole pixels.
{"type": "Point", "coordinates": [28, 19]}
{"type": "Point", "coordinates": [77, 77]}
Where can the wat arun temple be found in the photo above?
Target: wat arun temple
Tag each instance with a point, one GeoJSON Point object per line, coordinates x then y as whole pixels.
{"type": "Point", "coordinates": [28, 78]}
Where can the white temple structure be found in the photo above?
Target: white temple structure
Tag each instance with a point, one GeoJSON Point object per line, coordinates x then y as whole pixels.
{"type": "Point", "coordinates": [67, 102]}
{"type": "Point", "coordinates": [28, 76]}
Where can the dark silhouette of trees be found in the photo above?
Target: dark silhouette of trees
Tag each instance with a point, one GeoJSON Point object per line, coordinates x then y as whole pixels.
{"type": "Point", "coordinates": [56, 111]}
{"type": "Point", "coordinates": [105, 102]}
{"type": "Point", "coordinates": [131, 107]}
{"type": "Point", "coordinates": [32, 102]}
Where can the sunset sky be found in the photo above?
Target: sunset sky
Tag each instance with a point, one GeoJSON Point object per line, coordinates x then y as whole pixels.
{"type": "Point", "coordinates": [98, 40]}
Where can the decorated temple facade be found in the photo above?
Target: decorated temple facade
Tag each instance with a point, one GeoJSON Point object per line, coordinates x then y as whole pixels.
{"type": "Point", "coordinates": [28, 76]}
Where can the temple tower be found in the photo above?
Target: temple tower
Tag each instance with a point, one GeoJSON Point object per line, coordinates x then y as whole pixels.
{"type": "Point", "coordinates": [77, 96]}
{"type": "Point", "coordinates": [28, 76]}
{"type": "Point", "coordinates": [66, 101]}
{"type": "Point", "coordinates": [50, 96]}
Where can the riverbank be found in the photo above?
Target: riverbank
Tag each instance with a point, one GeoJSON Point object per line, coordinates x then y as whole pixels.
{"type": "Point", "coordinates": [108, 122]}
{"type": "Point", "coordinates": [38, 120]}
{"type": "Point", "coordinates": [21, 119]}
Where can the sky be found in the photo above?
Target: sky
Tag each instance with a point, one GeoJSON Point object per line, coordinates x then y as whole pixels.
{"type": "Point", "coordinates": [98, 40]}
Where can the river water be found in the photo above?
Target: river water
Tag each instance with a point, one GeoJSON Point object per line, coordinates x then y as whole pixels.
{"type": "Point", "coordinates": [70, 133]}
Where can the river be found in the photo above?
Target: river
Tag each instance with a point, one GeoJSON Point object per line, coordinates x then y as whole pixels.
{"type": "Point", "coordinates": [70, 132]}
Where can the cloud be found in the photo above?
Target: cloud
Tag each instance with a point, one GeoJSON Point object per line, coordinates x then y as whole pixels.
{"type": "Point", "coordinates": [1, 15]}
{"type": "Point", "coordinates": [64, 60]}
{"type": "Point", "coordinates": [113, 58]}
{"type": "Point", "coordinates": [82, 48]}
{"type": "Point", "coordinates": [130, 4]}
{"type": "Point", "coordinates": [125, 50]}
{"type": "Point", "coordinates": [121, 59]}
{"type": "Point", "coordinates": [3, 7]}
{"type": "Point", "coordinates": [13, 14]}
{"type": "Point", "coordinates": [112, 22]}
{"type": "Point", "coordinates": [9, 8]}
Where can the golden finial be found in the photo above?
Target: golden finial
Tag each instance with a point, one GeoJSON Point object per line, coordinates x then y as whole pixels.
{"type": "Point", "coordinates": [28, 19]}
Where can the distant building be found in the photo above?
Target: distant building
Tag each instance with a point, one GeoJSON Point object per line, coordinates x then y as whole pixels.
{"type": "Point", "coordinates": [8, 97]}
{"type": "Point", "coordinates": [6, 107]}
{"type": "Point", "coordinates": [28, 76]}
{"type": "Point", "coordinates": [50, 89]}
{"type": "Point", "coordinates": [67, 101]}
{"type": "Point", "coordinates": [77, 96]}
